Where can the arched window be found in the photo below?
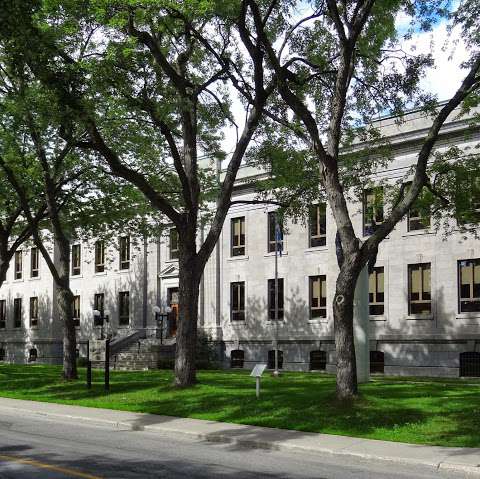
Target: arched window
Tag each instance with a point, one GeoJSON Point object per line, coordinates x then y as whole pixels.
{"type": "Point", "coordinates": [318, 360]}
{"type": "Point", "coordinates": [470, 364]}
{"type": "Point", "coordinates": [237, 357]}
{"type": "Point", "coordinates": [271, 359]}
{"type": "Point", "coordinates": [2, 354]}
{"type": "Point", "coordinates": [377, 362]}
{"type": "Point", "coordinates": [33, 355]}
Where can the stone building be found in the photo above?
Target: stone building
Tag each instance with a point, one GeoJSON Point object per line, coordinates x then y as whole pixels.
{"type": "Point", "coordinates": [424, 299]}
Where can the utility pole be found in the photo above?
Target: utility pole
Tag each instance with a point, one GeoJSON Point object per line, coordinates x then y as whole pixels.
{"type": "Point", "coordinates": [277, 238]}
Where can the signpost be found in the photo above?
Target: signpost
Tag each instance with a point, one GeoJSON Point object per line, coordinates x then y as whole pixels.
{"type": "Point", "coordinates": [99, 350]}
{"type": "Point", "coordinates": [257, 372]}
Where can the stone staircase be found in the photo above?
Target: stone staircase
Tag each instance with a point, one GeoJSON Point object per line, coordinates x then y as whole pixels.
{"type": "Point", "coordinates": [142, 354]}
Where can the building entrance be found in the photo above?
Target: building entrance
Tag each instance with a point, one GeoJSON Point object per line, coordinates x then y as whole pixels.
{"type": "Point", "coordinates": [172, 296]}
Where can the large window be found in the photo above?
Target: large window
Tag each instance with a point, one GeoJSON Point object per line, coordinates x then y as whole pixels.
{"type": "Point", "coordinates": [237, 358]}
{"type": "Point", "coordinates": [123, 308]}
{"type": "Point", "coordinates": [377, 362]}
{"type": "Point", "coordinates": [76, 311]}
{"type": "Point", "coordinates": [124, 252]}
{"type": "Point", "coordinates": [318, 360]}
{"type": "Point", "coordinates": [99, 256]}
{"type": "Point", "coordinates": [317, 226]}
{"type": "Point", "coordinates": [469, 285]}
{"type": "Point", "coordinates": [419, 289]}
{"type": "Point", "coordinates": [372, 209]}
{"type": "Point", "coordinates": [238, 236]}
{"type": "Point", "coordinates": [271, 359]}
{"type": "Point", "coordinates": [470, 364]}
{"type": "Point", "coordinates": [3, 313]}
{"type": "Point", "coordinates": [33, 311]}
{"type": "Point", "coordinates": [18, 269]}
{"type": "Point", "coordinates": [318, 297]}
{"type": "Point", "coordinates": [17, 313]}
{"type": "Point", "coordinates": [237, 301]}
{"type": "Point", "coordinates": [419, 213]}
{"type": "Point", "coordinates": [274, 236]}
{"type": "Point", "coordinates": [76, 259]}
{"type": "Point", "coordinates": [34, 263]}
{"type": "Point", "coordinates": [271, 299]}
{"type": "Point", "coordinates": [376, 291]}
{"type": "Point", "coordinates": [99, 305]}
{"type": "Point", "coordinates": [173, 235]}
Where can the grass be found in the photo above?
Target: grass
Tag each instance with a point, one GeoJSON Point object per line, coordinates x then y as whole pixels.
{"type": "Point", "coordinates": [423, 411]}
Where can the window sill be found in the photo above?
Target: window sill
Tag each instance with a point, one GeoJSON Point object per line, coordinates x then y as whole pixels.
{"type": "Point", "coordinates": [318, 321]}
{"type": "Point", "coordinates": [272, 254]}
{"type": "Point", "coordinates": [103, 273]}
{"type": "Point", "coordinates": [426, 231]}
{"type": "Point", "coordinates": [171, 260]}
{"type": "Point", "coordinates": [468, 315]}
{"type": "Point", "coordinates": [35, 278]}
{"type": "Point", "coordinates": [316, 249]}
{"type": "Point", "coordinates": [122, 271]}
{"type": "Point", "coordinates": [238, 258]}
{"type": "Point", "coordinates": [421, 317]}
{"type": "Point", "coordinates": [239, 322]}
{"type": "Point", "coordinates": [77, 276]}
{"type": "Point", "coordinates": [21, 280]}
{"type": "Point", "coordinates": [375, 317]}
{"type": "Point", "coordinates": [273, 322]}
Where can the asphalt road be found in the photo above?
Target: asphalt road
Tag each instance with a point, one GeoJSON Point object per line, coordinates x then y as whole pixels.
{"type": "Point", "coordinates": [44, 448]}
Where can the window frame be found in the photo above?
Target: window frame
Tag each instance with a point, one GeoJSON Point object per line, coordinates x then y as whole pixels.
{"type": "Point", "coordinates": [3, 313]}
{"type": "Point", "coordinates": [17, 313]}
{"type": "Point", "coordinates": [76, 259]}
{"type": "Point", "coordinates": [99, 256]}
{"type": "Point", "coordinates": [33, 311]}
{"type": "Point", "coordinates": [239, 249]}
{"type": "Point", "coordinates": [472, 299]}
{"type": "Point", "coordinates": [376, 302]}
{"type": "Point", "coordinates": [99, 320]}
{"type": "Point", "coordinates": [423, 267]}
{"type": "Point", "coordinates": [237, 314]}
{"type": "Point", "coordinates": [173, 252]}
{"type": "Point", "coordinates": [18, 265]}
{"type": "Point", "coordinates": [124, 253]}
{"type": "Point", "coordinates": [271, 242]}
{"type": "Point", "coordinates": [271, 296]}
{"type": "Point", "coordinates": [34, 262]}
{"type": "Point", "coordinates": [316, 213]}
{"type": "Point", "coordinates": [418, 219]}
{"type": "Point", "coordinates": [323, 289]}
{"type": "Point", "coordinates": [76, 310]}
{"type": "Point", "coordinates": [368, 227]}
{"type": "Point", "coordinates": [124, 315]}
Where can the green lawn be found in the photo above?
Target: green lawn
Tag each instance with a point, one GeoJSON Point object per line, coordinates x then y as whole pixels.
{"type": "Point", "coordinates": [423, 411]}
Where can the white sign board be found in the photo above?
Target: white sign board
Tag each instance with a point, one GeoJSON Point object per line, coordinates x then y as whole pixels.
{"type": "Point", "coordinates": [257, 371]}
{"type": "Point", "coordinates": [97, 349]}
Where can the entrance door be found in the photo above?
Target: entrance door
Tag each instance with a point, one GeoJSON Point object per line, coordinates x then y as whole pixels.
{"type": "Point", "coordinates": [173, 315]}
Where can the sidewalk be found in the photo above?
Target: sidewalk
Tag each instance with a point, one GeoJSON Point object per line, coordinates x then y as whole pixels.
{"type": "Point", "coordinates": [446, 458]}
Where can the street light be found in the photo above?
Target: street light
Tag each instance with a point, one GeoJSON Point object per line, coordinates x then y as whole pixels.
{"type": "Point", "coordinates": [161, 315]}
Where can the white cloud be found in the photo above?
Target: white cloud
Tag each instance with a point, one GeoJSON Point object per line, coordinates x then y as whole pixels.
{"type": "Point", "coordinates": [449, 51]}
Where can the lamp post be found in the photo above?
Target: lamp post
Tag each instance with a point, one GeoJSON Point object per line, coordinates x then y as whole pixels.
{"type": "Point", "coordinates": [105, 320]}
{"type": "Point", "coordinates": [161, 317]}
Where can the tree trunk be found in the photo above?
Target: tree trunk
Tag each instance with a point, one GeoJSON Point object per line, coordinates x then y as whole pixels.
{"type": "Point", "coordinates": [65, 309]}
{"type": "Point", "coordinates": [189, 289]}
{"type": "Point", "coordinates": [64, 302]}
{"type": "Point", "coordinates": [347, 388]}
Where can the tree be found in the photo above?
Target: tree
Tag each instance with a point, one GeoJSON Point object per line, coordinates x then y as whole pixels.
{"type": "Point", "coordinates": [336, 69]}
{"type": "Point", "coordinates": [147, 81]}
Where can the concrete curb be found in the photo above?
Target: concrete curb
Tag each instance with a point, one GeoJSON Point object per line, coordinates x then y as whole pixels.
{"type": "Point", "coordinates": [465, 460]}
